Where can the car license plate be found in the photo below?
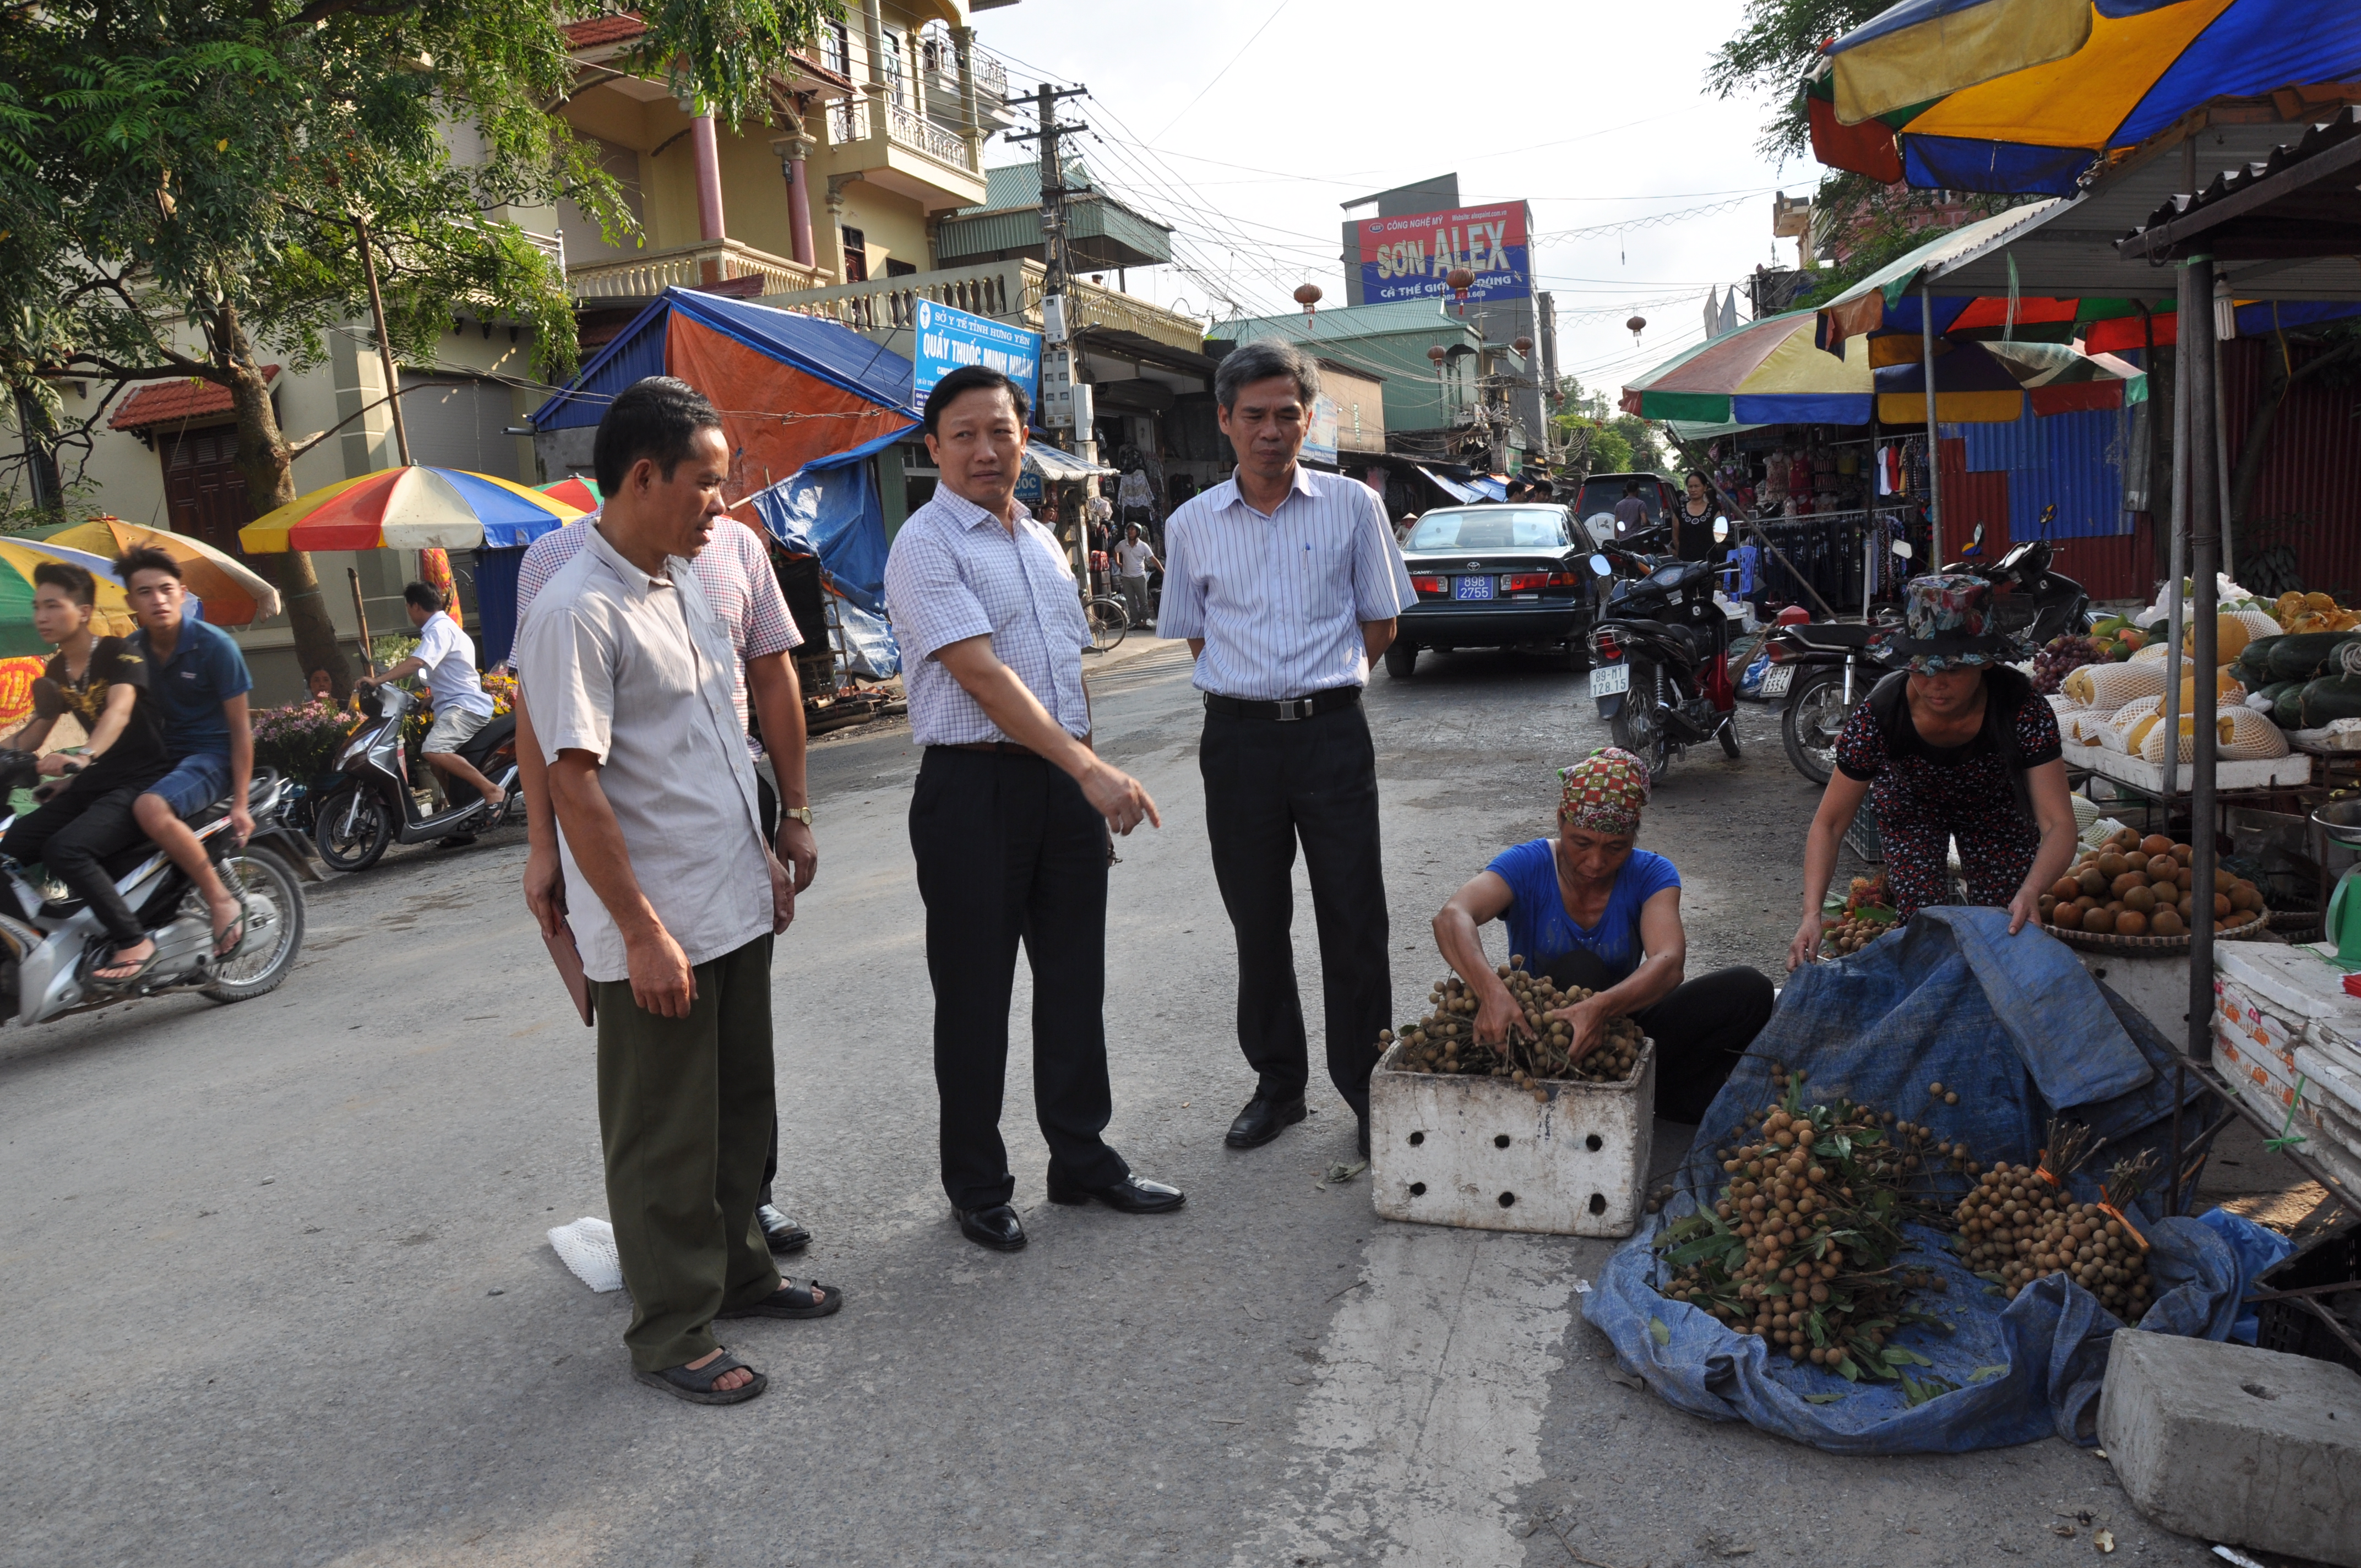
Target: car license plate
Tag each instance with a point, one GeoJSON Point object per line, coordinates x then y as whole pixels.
{"type": "Point", "coordinates": [1608, 680]}
{"type": "Point", "coordinates": [1778, 679]}
{"type": "Point", "coordinates": [1474, 589]}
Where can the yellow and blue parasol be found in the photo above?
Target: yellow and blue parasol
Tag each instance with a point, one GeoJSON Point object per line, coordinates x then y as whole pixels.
{"type": "Point", "coordinates": [410, 509]}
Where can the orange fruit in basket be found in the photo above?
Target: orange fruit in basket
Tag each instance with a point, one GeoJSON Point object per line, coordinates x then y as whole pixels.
{"type": "Point", "coordinates": [2131, 923]}
{"type": "Point", "coordinates": [2065, 889]}
{"type": "Point", "coordinates": [2155, 844]}
{"type": "Point", "coordinates": [2067, 917]}
{"type": "Point", "coordinates": [2161, 866]}
{"type": "Point", "coordinates": [2101, 919]}
{"type": "Point", "coordinates": [2140, 901]}
{"type": "Point", "coordinates": [2168, 923]}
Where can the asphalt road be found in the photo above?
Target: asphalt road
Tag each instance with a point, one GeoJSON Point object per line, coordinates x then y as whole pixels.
{"type": "Point", "coordinates": [279, 1285]}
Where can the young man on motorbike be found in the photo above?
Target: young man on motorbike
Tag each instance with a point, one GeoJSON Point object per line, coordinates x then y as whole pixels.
{"type": "Point", "coordinates": [104, 686]}
{"type": "Point", "coordinates": [447, 655]}
{"type": "Point", "coordinates": [199, 680]}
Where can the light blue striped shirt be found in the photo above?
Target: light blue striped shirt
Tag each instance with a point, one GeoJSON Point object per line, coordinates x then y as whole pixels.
{"type": "Point", "coordinates": [1279, 600]}
{"type": "Point", "coordinates": [954, 573]}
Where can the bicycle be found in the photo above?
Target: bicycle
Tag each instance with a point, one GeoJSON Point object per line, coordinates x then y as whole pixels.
{"type": "Point", "coordinates": [1108, 620]}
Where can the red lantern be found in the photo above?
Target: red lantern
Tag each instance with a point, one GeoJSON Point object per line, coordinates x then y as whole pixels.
{"type": "Point", "coordinates": [1307, 295]}
{"type": "Point", "coordinates": [1635, 327]}
{"type": "Point", "coordinates": [1461, 280]}
{"type": "Point", "coordinates": [1523, 345]}
{"type": "Point", "coordinates": [1435, 353]}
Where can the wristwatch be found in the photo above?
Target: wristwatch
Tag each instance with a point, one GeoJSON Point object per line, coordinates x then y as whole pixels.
{"type": "Point", "coordinates": [799, 813]}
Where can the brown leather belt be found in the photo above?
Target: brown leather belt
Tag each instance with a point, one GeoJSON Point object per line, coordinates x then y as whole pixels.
{"type": "Point", "coordinates": [1005, 747]}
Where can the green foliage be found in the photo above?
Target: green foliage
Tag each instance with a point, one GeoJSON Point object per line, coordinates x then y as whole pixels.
{"type": "Point", "coordinates": [1777, 42]}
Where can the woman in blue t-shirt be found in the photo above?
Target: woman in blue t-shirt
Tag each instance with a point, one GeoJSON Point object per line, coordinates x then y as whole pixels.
{"type": "Point", "coordinates": [1588, 908]}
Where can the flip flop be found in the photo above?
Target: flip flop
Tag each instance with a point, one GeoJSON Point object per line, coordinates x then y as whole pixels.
{"type": "Point", "coordinates": [125, 982]}
{"type": "Point", "coordinates": [791, 1300]}
{"type": "Point", "coordinates": [233, 934]}
{"type": "Point", "coordinates": [698, 1387]}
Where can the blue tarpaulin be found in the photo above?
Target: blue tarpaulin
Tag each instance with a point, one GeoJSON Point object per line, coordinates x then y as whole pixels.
{"type": "Point", "coordinates": [2020, 1030]}
{"type": "Point", "coordinates": [831, 510]}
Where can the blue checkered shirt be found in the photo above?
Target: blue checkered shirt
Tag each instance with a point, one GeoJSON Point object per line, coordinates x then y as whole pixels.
{"type": "Point", "coordinates": [1279, 600]}
{"type": "Point", "coordinates": [954, 573]}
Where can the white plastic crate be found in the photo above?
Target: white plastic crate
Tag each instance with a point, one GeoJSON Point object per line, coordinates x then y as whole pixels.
{"type": "Point", "coordinates": [1446, 1149]}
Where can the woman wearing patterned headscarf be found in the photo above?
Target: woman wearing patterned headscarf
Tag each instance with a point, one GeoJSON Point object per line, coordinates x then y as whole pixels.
{"type": "Point", "coordinates": [1589, 908]}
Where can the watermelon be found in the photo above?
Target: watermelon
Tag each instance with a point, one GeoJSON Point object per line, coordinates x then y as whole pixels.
{"type": "Point", "coordinates": [2286, 704]}
{"type": "Point", "coordinates": [2254, 662]}
{"type": "Point", "coordinates": [2302, 655]}
{"type": "Point", "coordinates": [2331, 698]}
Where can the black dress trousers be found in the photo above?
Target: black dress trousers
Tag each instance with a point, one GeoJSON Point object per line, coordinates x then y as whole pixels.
{"type": "Point", "coordinates": [1269, 784]}
{"type": "Point", "coordinates": [1009, 850]}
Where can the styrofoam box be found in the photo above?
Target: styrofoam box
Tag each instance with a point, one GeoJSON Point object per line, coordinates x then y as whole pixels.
{"type": "Point", "coordinates": [1446, 1149]}
{"type": "Point", "coordinates": [2255, 773]}
{"type": "Point", "coordinates": [2296, 981]}
{"type": "Point", "coordinates": [2333, 1083]}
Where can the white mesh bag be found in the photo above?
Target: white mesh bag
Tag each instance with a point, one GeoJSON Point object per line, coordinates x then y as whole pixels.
{"type": "Point", "coordinates": [2114, 732]}
{"type": "Point", "coordinates": [587, 1247]}
{"type": "Point", "coordinates": [2109, 687]}
{"type": "Point", "coordinates": [2240, 734]}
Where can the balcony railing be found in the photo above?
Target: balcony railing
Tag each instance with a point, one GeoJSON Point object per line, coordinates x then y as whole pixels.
{"type": "Point", "coordinates": [917, 132]}
{"type": "Point", "coordinates": [1007, 290]}
{"type": "Point", "coordinates": [848, 121]}
{"type": "Point", "coordinates": [687, 266]}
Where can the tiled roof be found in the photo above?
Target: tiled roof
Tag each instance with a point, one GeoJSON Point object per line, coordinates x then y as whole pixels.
{"type": "Point", "coordinates": [172, 402]}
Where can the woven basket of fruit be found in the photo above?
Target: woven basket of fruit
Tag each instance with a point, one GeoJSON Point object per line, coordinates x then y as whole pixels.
{"type": "Point", "coordinates": [2137, 894]}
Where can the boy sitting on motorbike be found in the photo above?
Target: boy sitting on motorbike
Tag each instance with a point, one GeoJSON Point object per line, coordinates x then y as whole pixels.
{"type": "Point", "coordinates": [104, 686]}
{"type": "Point", "coordinates": [461, 706]}
{"type": "Point", "coordinates": [199, 680]}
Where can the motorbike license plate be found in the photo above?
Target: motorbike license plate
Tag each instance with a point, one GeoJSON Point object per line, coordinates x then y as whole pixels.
{"type": "Point", "coordinates": [1472, 588]}
{"type": "Point", "coordinates": [1608, 680]}
{"type": "Point", "coordinates": [1778, 679]}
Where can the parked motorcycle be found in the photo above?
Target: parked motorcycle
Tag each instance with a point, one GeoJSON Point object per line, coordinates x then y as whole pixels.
{"type": "Point", "coordinates": [1824, 667]}
{"type": "Point", "coordinates": [45, 959]}
{"type": "Point", "coordinates": [373, 804]}
{"type": "Point", "coordinates": [1660, 658]}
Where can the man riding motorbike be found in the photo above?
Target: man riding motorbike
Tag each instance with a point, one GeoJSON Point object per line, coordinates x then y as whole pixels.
{"type": "Point", "coordinates": [104, 686]}
{"type": "Point", "coordinates": [200, 681]}
{"type": "Point", "coordinates": [447, 655]}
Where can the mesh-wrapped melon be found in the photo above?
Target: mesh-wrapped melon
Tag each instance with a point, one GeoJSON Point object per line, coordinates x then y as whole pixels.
{"type": "Point", "coordinates": [2109, 687]}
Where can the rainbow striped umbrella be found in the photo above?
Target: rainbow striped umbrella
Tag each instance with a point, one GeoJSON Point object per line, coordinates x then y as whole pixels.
{"type": "Point", "coordinates": [574, 491]}
{"type": "Point", "coordinates": [409, 508]}
{"type": "Point", "coordinates": [2024, 95]}
{"type": "Point", "coordinates": [112, 617]}
{"type": "Point", "coordinates": [230, 590]}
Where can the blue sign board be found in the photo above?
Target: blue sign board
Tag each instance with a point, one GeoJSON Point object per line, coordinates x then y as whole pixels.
{"type": "Point", "coordinates": [1413, 257]}
{"type": "Point", "coordinates": [949, 338]}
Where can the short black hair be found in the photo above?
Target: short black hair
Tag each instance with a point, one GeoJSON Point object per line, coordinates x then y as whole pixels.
{"type": "Point", "coordinates": [654, 418]}
{"type": "Point", "coordinates": [76, 581]}
{"type": "Point", "coordinates": [425, 598]}
{"type": "Point", "coordinates": [969, 379]}
{"type": "Point", "coordinates": [146, 558]}
{"type": "Point", "coordinates": [1544, 488]}
{"type": "Point", "coordinates": [1630, 486]}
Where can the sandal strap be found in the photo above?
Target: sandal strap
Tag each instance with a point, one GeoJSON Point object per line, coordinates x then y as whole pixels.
{"type": "Point", "coordinates": [702, 1379]}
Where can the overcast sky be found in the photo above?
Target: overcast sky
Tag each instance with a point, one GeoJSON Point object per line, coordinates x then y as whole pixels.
{"type": "Point", "coordinates": [1596, 114]}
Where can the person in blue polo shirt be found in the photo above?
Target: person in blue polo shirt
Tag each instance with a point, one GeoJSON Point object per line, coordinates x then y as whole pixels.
{"type": "Point", "coordinates": [199, 679]}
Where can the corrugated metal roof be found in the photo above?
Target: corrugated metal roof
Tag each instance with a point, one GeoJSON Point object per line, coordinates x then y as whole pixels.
{"type": "Point", "coordinates": [2072, 462]}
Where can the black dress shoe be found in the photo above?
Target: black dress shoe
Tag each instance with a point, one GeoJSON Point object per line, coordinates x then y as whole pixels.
{"type": "Point", "coordinates": [995, 1228]}
{"type": "Point", "coordinates": [1129, 1196]}
{"type": "Point", "coordinates": [784, 1234]}
{"type": "Point", "coordinates": [1262, 1121]}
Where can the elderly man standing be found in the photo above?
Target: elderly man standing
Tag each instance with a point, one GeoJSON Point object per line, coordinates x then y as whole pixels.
{"type": "Point", "coordinates": [1010, 817]}
{"type": "Point", "coordinates": [672, 895]}
{"type": "Point", "coordinates": [1287, 584]}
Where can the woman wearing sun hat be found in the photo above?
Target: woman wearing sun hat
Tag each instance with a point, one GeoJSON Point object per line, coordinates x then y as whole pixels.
{"type": "Point", "coordinates": [1956, 746]}
{"type": "Point", "coordinates": [1588, 908]}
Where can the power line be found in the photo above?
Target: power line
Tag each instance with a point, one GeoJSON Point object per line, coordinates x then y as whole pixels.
{"type": "Point", "coordinates": [1209, 86]}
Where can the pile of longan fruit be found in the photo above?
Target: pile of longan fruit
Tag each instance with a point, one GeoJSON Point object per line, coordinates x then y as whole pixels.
{"type": "Point", "coordinates": [2016, 1225]}
{"type": "Point", "coordinates": [2142, 887]}
{"type": "Point", "coordinates": [1852, 933]}
{"type": "Point", "coordinates": [1445, 1039]}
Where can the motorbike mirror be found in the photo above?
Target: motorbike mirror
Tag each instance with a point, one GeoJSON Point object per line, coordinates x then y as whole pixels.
{"type": "Point", "coordinates": [1977, 537]}
{"type": "Point", "coordinates": [1902, 548]}
{"type": "Point", "coordinates": [1600, 567]}
{"type": "Point", "coordinates": [1721, 530]}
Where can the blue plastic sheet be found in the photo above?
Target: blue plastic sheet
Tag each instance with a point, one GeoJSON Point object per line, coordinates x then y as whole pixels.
{"type": "Point", "coordinates": [2020, 1030]}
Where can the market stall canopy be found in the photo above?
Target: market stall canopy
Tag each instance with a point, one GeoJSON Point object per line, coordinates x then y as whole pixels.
{"type": "Point", "coordinates": [1990, 383]}
{"type": "Point", "coordinates": [1976, 95]}
{"type": "Point", "coordinates": [110, 618]}
{"type": "Point", "coordinates": [791, 388]}
{"type": "Point", "coordinates": [232, 592]}
{"type": "Point", "coordinates": [409, 508]}
{"type": "Point", "coordinates": [1886, 301]}
{"type": "Point", "coordinates": [1767, 372]}
{"type": "Point", "coordinates": [1453, 487]}
{"type": "Point", "coordinates": [1061, 467]}
{"type": "Point", "coordinates": [2301, 203]}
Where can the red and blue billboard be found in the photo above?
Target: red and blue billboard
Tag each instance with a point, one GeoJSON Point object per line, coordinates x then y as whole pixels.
{"type": "Point", "coordinates": [1409, 257]}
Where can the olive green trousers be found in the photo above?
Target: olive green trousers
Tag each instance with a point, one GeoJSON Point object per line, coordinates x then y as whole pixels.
{"type": "Point", "coordinates": [684, 1115]}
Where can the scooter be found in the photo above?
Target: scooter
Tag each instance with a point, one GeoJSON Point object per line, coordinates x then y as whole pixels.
{"type": "Point", "coordinates": [374, 803]}
{"type": "Point", "coordinates": [46, 956]}
{"type": "Point", "coordinates": [1660, 660]}
{"type": "Point", "coordinates": [1836, 663]}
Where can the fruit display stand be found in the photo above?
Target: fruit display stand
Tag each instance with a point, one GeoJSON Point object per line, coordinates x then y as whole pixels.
{"type": "Point", "coordinates": [2138, 774]}
{"type": "Point", "coordinates": [1568, 1158]}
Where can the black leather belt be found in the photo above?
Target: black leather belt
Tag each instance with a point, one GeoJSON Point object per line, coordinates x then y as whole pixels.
{"type": "Point", "coordinates": [1293, 709]}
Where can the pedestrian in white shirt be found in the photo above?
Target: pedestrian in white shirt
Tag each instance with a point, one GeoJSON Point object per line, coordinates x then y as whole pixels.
{"type": "Point", "coordinates": [1287, 584]}
{"type": "Point", "coordinates": [462, 705]}
{"type": "Point", "coordinates": [1132, 561]}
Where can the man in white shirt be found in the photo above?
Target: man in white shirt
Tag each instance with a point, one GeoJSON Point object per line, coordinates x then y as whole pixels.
{"type": "Point", "coordinates": [1132, 561]}
{"type": "Point", "coordinates": [461, 706]}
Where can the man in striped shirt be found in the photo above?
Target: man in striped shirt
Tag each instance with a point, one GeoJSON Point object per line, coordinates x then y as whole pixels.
{"type": "Point", "coordinates": [1287, 584]}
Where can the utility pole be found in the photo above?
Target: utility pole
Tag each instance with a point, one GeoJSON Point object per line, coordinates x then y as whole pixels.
{"type": "Point", "coordinates": [1059, 333]}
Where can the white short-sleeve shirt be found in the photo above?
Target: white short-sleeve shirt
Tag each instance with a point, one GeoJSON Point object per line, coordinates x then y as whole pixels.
{"type": "Point", "coordinates": [449, 655]}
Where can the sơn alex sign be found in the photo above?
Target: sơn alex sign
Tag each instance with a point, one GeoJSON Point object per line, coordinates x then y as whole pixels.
{"type": "Point", "coordinates": [1407, 257]}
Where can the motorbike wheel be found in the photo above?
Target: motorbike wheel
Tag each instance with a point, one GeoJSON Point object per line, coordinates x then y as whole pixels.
{"type": "Point", "coordinates": [1401, 658]}
{"type": "Point", "coordinates": [1728, 733]}
{"type": "Point", "coordinates": [1816, 711]}
{"type": "Point", "coordinates": [352, 828]}
{"type": "Point", "coordinates": [274, 924]}
{"type": "Point", "coordinates": [1634, 726]}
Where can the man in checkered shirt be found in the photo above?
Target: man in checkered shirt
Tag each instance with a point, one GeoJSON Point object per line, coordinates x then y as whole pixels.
{"type": "Point", "coordinates": [734, 570]}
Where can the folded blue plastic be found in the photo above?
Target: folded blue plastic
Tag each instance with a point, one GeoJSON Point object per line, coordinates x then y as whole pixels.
{"type": "Point", "coordinates": [2020, 1031]}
